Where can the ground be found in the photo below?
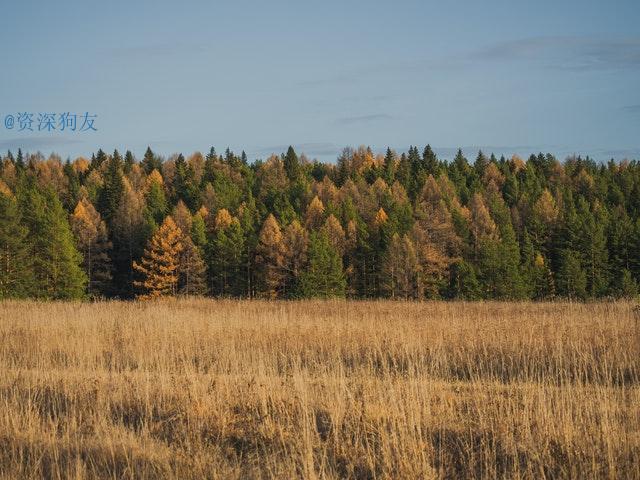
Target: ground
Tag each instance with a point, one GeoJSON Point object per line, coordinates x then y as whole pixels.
{"type": "Point", "coordinates": [248, 389]}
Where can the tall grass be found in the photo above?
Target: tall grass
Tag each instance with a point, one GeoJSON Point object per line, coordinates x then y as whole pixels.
{"type": "Point", "coordinates": [364, 390]}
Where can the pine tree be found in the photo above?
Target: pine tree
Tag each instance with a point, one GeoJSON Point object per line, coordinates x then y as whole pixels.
{"type": "Point", "coordinates": [160, 264]}
{"type": "Point", "coordinates": [56, 261]}
{"type": "Point", "coordinates": [291, 164]}
{"type": "Point", "coordinates": [593, 247]}
{"type": "Point", "coordinates": [112, 189]}
{"type": "Point", "coordinates": [184, 185]}
{"type": "Point", "coordinates": [430, 162]}
{"type": "Point", "coordinates": [16, 263]}
{"type": "Point", "coordinates": [324, 276]}
{"type": "Point", "coordinates": [129, 161]}
{"type": "Point", "coordinates": [93, 243]}
{"type": "Point", "coordinates": [571, 279]}
{"type": "Point", "coordinates": [388, 167]}
{"type": "Point", "coordinates": [226, 256]}
{"type": "Point", "coordinates": [463, 283]}
{"type": "Point", "coordinates": [150, 162]}
{"type": "Point", "coordinates": [625, 285]}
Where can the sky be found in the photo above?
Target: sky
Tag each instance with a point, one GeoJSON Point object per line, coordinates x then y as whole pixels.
{"type": "Point", "coordinates": [502, 76]}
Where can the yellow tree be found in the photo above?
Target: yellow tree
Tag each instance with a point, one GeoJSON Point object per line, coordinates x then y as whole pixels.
{"type": "Point", "coordinates": [315, 214]}
{"type": "Point", "coordinates": [335, 233]}
{"type": "Point", "coordinates": [159, 265]}
{"type": "Point", "coordinates": [270, 258]}
{"type": "Point", "coordinates": [191, 266]}
{"type": "Point", "coordinates": [296, 243]}
{"type": "Point", "coordinates": [93, 242]}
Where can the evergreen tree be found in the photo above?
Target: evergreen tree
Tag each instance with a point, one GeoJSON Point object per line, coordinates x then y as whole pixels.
{"type": "Point", "coordinates": [16, 263]}
{"type": "Point", "coordinates": [112, 189]}
{"type": "Point", "coordinates": [324, 276]}
{"type": "Point", "coordinates": [129, 161]}
{"type": "Point", "coordinates": [150, 162]}
{"type": "Point", "coordinates": [56, 261]}
{"type": "Point", "coordinates": [226, 256]}
{"type": "Point", "coordinates": [571, 278]}
{"type": "Point", "coordinates": [388, 167]}
{"type": "Point", "coordinates": [463, 283]}
{"type": "Point", "coordinates": [291, 164]}
{"type": "Point", "coordinates": [184, 185]}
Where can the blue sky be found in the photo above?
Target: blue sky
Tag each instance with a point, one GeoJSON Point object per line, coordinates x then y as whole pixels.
{"type": "Point", "coordinates": [505, 76]}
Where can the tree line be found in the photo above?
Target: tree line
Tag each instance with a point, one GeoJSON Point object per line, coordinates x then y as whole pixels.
{"type": "Point", "coordinates": [402, 226]}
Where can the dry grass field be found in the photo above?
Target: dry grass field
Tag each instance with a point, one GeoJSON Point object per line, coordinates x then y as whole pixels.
{"type": "Point", "coordinates": [231, 389]}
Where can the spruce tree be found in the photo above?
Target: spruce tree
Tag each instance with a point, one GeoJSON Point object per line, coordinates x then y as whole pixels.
{"type": "Point", "coordinates": [56, 261]}
{"type": "Point", "coordinates": [16, 262]}
{"type": "Point", "coordinates": [571, 279]}
{"type": "Point", "coordinates": [112, 189]}
{"type": "Point", "coordinates": [324, 275]}
{"type": "Point", "coordinates": [291, 164]}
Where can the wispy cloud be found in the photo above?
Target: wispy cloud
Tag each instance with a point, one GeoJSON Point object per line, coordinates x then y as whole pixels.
{"type": "Point", "coordinates": [157, 50]}
{"type": "Point", "coordinates": [363, 119]}
{"type": "Point", "coordinates": [566, 52]}
{"type": "Point", "coordinates": [634, 109]}
{"type": "Point", "coordinates": [36, 143]}
{"type": "Point", "coordinates": [312, 148]}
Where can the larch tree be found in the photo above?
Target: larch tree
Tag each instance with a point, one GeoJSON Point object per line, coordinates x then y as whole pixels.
{"type": "Point", "coordinates": [296, 244]}
{"type": "Point", "coordinates": [315, 214]}
{"type": "Point", "coordinates": [335, 233]}
{"type": "Point", "coordinates": [270, 259]}
{"type": "Point", "coordinates": [129, 234]}
{"type": "Point", "coordinates": [156, 201]}
{"type": "Point", "coordinates": [192, 270]}
{"type": "Point", "coordinates": [93, 243]}
{"type": "Point", "coordinates": [401, 269]}
{"type": "Point", "coordinates": [160, 263]}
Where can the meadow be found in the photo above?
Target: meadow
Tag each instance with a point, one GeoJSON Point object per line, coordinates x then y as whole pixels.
{"type": "Point", "coordinates": [198, 388]}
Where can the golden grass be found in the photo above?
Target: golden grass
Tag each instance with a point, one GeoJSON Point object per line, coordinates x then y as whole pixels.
{"type": "Point", "coordinates": [238, 389]}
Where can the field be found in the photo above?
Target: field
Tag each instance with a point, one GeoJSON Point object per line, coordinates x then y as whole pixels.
{"type": "Point", "coordinates": [363, 390]}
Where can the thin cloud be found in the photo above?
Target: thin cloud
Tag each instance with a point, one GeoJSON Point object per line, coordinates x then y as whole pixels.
{"type": "Point", "coordinates": [631, 109]}
{"type": "Point", "coordinates": [157, 50]}
{"type": "Point", "coordinates": [311, 148]}
{"type": "Point", "coordinates": [363, 119]}
{"type": "Point", "coordinates": [566, 52]}
{"type": "Point", "coordinates": [36, 143]}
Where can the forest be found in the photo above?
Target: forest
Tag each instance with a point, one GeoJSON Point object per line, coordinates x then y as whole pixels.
{"type": "Point", "coordinates": [400, 225]}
